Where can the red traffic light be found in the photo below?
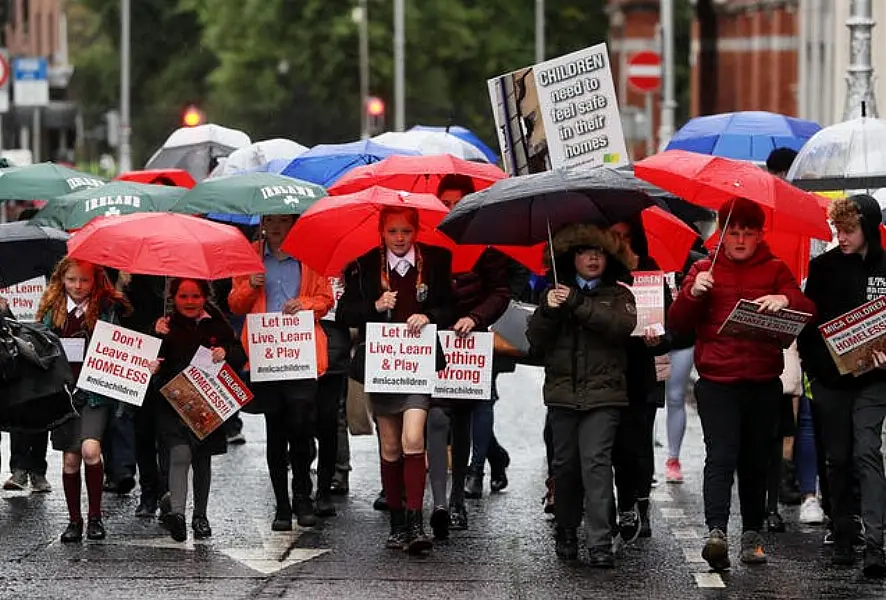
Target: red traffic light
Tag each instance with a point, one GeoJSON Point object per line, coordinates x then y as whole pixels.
{"type": "Point", "coordinates": [192, 117]}
{"type": "Point", "coordinates": [375, 106]}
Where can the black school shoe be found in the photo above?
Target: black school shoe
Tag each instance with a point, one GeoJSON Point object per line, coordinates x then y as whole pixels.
{"type": "Point", "coordinates": [440, 523]}
{"type": "Point", "coordinates": [200, 525]}
{"type": "Point", "coordinates": [601, 558]}
{"type": "Point", "coordinates": [175, 524]}
{"type": "Point", "coordinates": [874, 562]}
{"type": "Point", "coordinates": [73, 532]}
{"type": "Point", "coordinates": [95, 529]}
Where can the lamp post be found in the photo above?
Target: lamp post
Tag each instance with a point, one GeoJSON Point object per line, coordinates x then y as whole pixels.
{"type": "Point", "coordinates": [399, 65]}
{"type": "Point", "coordinates": [539, 31]}
{"type": "Point", "coordinates": [125, 117]}
{"type": "Point", "coordinates": [859, 73]}
{"type": "Point", "coordinates": [668, 104]}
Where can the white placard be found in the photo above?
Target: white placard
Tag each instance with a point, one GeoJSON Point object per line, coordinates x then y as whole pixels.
{"type": "Point", "coordinates": [75, 349]}
{"type": "Point", "coordinates": [559, 113]}
{"type": "Point", "coordinates": [468, 372]}
{"type": "Point", "coordinates": [116, 363]}
{"type": "Point", "coordinates": [24, 298]}
{"type": "Point", "coordinates": [649, 298]}
{"type": "Point", "coordinates": [338, 289]}
{"type": "Point", "coordinates": [282, 347]}
{"type": "Point", "coordinates": [203, 360]}
{"type": "Point", "coordinates": [398, 362]}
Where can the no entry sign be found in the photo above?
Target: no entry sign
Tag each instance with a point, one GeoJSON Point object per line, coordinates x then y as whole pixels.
{"type": "Point", "coordinates": [644, 71]}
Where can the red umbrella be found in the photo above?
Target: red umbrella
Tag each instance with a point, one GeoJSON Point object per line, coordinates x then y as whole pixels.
{"type": "Point", "coordinates": [338, 229]}
{"type": "Point", "coordinates": [713, 180]}
{"type": "Point", "coordinates": [178, 177]}
{"type": "Point", "coordinates": [166, 244]}
{"type": "Point", "coordinates": [416, 174]}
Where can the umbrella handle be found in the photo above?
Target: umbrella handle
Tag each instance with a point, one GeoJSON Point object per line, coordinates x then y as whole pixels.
{"type": "Point", "coordinates": [722, 233]}
{"type": "Point", "coordinates": [551, 248]}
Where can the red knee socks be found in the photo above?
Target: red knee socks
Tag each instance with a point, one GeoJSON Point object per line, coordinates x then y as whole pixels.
{"type": "Point", "coordinates": [392, 480]}
{"type": "Point", "coordinates": [414, 476]}
{"type": "Point", "coordinates": [95, 475]}
{"type": "Point", "coordinates": [71, 485]}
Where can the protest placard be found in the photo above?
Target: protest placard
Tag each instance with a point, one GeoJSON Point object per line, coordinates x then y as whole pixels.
{"type": "Point", "coordinates": [24, 298]}
{"type": "Point", "coordinates": [853, 337]}
{"type": "Point", "coordinates": [561, 112]}
{"type": "Point", "coordinates": [282, 347]}
{"type": "Point", "coordinates": [468, 372]}
{"type": "Point", "coordinates": [400, 362]}
{"type": "Point", "coordinates": [510, 329]}
{"type": "Point", "coordinates": [205, 400]}
{"type": "Point", "coordinates": [649, 298]}
{"type": "Point", "coordinates": [338, 289]}
{"type": "Point", "coordinates": [117, 363]}
{"type": "Point", "coordinates": [781, 327]}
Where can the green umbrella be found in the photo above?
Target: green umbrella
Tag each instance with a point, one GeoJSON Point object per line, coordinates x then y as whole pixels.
{"type": "Point", "coordinates": [250, 194]}
{"type": "Point", "coordinates": [44, 181]}
{"type": "Point", "coordinates": [73, 211]}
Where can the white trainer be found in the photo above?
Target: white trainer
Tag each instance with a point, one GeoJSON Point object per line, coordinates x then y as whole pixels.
{"type": "Point", "coordinates": [811, 512]}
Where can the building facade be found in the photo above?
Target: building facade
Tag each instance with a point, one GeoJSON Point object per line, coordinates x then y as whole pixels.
{"type": "Point", "coordinates": [38, 28]}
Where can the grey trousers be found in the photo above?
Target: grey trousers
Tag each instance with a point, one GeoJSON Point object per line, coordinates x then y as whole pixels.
{"type": "Point", "coordinates": [583, 442]}
{"type": "Point", "coordinates": [868, 413]}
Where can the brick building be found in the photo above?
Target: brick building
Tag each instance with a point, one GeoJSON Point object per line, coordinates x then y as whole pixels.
{"type": "Point", "coordinates": [39, 28]}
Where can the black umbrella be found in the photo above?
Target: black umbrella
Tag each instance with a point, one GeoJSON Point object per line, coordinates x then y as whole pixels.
{"type": "Point", "coordinates": [522, 211]}
{"type": "Point", "coordinates": [28, 251]}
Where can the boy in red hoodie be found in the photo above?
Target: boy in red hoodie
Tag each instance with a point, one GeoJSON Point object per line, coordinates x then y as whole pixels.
{"type": "Point", "coordinates": [738, 391]}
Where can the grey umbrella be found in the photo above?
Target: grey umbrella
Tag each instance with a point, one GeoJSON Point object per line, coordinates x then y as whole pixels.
{"type": "Point", "coordinates": [521, 211]}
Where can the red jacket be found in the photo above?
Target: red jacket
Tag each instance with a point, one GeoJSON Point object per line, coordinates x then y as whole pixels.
{"type": "Point", "coordinates": [729, 359]}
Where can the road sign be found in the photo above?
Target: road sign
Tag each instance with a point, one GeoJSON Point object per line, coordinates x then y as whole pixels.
{"type": "Point", "coordinates": [644, 71]}
{"type": "Point", "coordinates": [30, 81]}
{"type": "Point", "coordinates": [4, 81]}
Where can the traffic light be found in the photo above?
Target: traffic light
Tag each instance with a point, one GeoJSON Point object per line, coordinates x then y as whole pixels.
{"type": "Point", "coordinates": [375, 114]}
{"type": "Point", "coordinates": [192, 117]}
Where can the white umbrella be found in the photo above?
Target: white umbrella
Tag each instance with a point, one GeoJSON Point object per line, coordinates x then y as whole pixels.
{"type": "Point", "coordinates": [198, 149]}
{"type": "Point", "coordinates": [855, 148]}
{"type": "Point", "coordinates": [431, 142]}
{"type": "Point", "coordinates": [258, 154]}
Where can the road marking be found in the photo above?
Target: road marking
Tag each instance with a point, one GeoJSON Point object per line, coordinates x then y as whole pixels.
{"type": "Point", "coordinates": [164, 542]}
{"type": "Point", "coordinates": [693, 555]}
{"type": "Point", "coordinates": [672, 513]}
{"type": "Point", "coordinates": [686, 534]}
{"type": "Point", "coordinates": [709, 580]}
{"type": "Point", "coordinates": [258, 559]}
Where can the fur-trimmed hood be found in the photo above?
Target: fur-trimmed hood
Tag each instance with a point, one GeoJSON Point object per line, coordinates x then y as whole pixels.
{"type": "Point", "coordinates": [578, 234]}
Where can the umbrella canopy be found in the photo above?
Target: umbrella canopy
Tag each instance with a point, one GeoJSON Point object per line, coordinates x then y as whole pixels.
{"type": "Point", "coordinates": [339, 229]}
{"type": "Point", "coordinates": [326, 163]}
{"type": "Point", "coordinates": [258, 154]}
{"type": "Point", "coordinates": [44, 181]}
{"type": "Point", "coordinates": [73, 211]}
{"type": "Point", "coordinates": [670, 240]}
{"type": "Point", "coordinates": [416, 174]}
{"type": "Point", "coordinates": [431, 142]}
{"type": "Point", "coordinates": [172, 177]}
{"type": "Point", "coordinates": [837, 155]}
{"type": "Point", "coordinates": [711, 181]}
{"type": "Point", "coordinates": [519, 211]}
{"type": "Point", "coordinates": [166, 245]}
{"type": "Point", "coordinates": [250, 194]}
{"type": "Point", "coordinates": [28, 251]}
{"type": "Point", "coordinates": [746, 135]}
{"type": "Point", "coordinates": [197, 150]}
{"type": "Point", "coordinates": [465, 134]}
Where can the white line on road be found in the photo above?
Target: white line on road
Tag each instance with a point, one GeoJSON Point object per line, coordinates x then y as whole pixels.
{"type": "Point", "coordinates": [709, 580]}
{"type": "Point", "coordinates": [686, 534]}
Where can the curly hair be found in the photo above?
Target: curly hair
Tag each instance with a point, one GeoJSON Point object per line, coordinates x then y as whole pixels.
{"type": "Point", "coordinates": [844, 214]}
{"type": "Point", "coordinates": [54, 301]}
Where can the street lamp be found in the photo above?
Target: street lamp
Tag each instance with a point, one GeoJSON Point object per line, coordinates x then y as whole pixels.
{"type": "Point", "coordinates": [859, 73]}
{"type": "Point", "coordinates": [125, 117]}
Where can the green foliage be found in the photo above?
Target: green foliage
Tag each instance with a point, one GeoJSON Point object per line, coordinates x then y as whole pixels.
{"type": "Point", "coordinates": [290, 68]}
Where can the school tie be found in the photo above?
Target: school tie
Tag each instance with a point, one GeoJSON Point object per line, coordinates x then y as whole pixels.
{"type": "Point", "coordinates": [403, 267]}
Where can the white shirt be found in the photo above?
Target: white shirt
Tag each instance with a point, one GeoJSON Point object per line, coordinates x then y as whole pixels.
{"type": "Point", "coordinates": [401, 264]}
{"type": "Point", "coordinates": [79, 308]}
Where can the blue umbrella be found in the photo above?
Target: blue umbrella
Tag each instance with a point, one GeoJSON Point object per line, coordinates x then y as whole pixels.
{"type": "Point", "coordinates": [325, 163]}
{"type": "Point", "coordinates": [748, 135]}
{"type": "Point", "coordinates": [465, 134]}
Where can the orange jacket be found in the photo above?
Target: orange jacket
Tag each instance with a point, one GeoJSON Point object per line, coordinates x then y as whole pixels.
{"type": "Point", "coordinates": [315, 293]}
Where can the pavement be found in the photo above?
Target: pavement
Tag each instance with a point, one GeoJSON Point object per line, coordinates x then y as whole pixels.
{"type": "Point", "coordinates": [508, 552]}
